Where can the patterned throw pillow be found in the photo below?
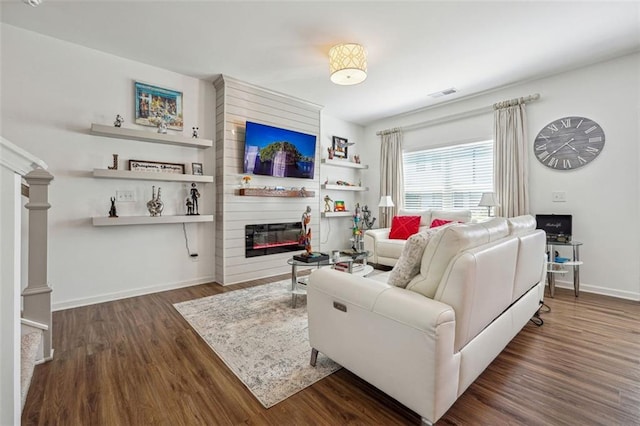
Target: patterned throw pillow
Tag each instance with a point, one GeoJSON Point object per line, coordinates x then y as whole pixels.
{"type": "Point", "coordinates": [408, 265]}
{"type": "Point", "coordinates": [402, 227]}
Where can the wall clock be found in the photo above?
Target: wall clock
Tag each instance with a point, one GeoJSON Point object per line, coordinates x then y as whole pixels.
{"type": "Point", "coordinates": [569, 143]}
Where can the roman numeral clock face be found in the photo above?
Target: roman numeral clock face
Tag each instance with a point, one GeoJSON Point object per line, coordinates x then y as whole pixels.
{"type": "Point", "coordinates": [569, 143]}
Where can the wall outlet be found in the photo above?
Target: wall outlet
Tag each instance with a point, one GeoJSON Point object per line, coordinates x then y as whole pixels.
{"type": "Point", "coordinates": [125, 196]}
{"type": "Point", "coordinates": [559, 196]}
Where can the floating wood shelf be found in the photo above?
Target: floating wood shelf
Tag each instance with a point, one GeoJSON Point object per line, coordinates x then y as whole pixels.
{"type": "Point", "coordinates": [344, 187]}
{"type": "Point", "coordinates": [167, 177]}
{"type": "Point", "coordinates": [148, 136]}
{"type": "Point", "coordinates": [337, 214]}
{"type": "Point", "coordinates": [288, 193]}
{"type": "Point", "coordinates": [344, 163]}
{"type": "Point", "coordinates": [148, 220]}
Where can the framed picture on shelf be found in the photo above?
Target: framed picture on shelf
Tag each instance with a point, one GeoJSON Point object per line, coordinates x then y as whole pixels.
{"type": "Point", "coordinates": [338, 206]}
{"type": "Point", "coordinates": [155, 105]}
{"type": "Point", "coordinates": [340, 147]}
{"type": "Point", "coordinates": [155, 166]}
{"type": "Point", "coordinates": [196, 169]}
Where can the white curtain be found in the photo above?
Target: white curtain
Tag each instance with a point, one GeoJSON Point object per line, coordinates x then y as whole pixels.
{"type": "Point", "coordinates": [391, 174]}
{"type": "Point", "coordinates": [511, 167]}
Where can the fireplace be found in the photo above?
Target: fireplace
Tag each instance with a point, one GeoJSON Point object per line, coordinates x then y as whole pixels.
{"type": "Point", "coordinates": [272, 238]}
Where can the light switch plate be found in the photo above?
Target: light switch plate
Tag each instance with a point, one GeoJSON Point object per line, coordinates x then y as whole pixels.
{"type": "Point", "coordinates": [559, 196]}
{"type": "Point", "coordinates": [126, 196]}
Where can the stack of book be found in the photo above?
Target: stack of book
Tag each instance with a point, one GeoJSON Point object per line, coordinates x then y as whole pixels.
{"type": "Point", "coordinates": [344, 266]}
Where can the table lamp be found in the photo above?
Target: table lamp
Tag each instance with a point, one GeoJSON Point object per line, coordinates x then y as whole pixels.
{"type": "Point", "coordinates": [488, 200]}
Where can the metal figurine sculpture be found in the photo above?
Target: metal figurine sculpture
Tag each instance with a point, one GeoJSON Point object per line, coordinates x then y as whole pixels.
{"type": "Point", "coordinates": [357, 230]}
{"type": "Point", "coordinates": [112, 210]}
{"type": "Point", "coordinates": [115, 163]}
{"type": "Point", "coordinates": [189, 207]}
{"type": "Point", "coordinates": [155, 204]}
{"type": "Point", "coordinates": [195, 194]}
{"type": "Point", "coordinates": [119, 121]}
{"type": "Point", "coordinates": [195, 132]}
{"type": "Point", "coordinates": [366, 217]}
{"type": "Point", "coordinates": [327, 203]}
{"type": "Point", "coordinates": [305, 235]}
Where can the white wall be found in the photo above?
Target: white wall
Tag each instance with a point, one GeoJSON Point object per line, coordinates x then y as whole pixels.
{"type": "Point", "coordinates": [51, 93]}
{"type": "Point", "coordinates": [603, 197]}
{"type": "Point", "coordinates": [336, 232]}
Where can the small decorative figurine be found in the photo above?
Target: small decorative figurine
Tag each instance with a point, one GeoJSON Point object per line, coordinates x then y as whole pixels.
{"type": "Point", "coordinates": [366, 217]}
{"type": "Point", "coordinates": [331, 152]}
{"type": "Point", "coordinates": [356, 159]}
{"type": "Point", "coordinates": [246, 181]}
{"type": "Point", "coordinates": [162, 127]}
{"type": "Point", "coordinates": [115, 162]}
{"type": "Point", "coordinates": [119, 121]}
{"type": "Point", "coordinates": [195, 194]}
{"type": "Point", "coordinates": [189, 207]}
{"type": "Point", "coordinates": [112, 210]}
{"type": "Point", "coordinates": [194, 134]}
{"type": "Point", "coordinates": [327, 203]}
{"type": "Point", "coordinates": [155, 204]}
{"type": "Point", "coordinates": [305, 235]}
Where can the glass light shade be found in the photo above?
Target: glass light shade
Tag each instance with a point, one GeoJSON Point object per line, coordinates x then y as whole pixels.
{"type": "Point", "coordinates": [386, 201]}
{"type": "Point", "coordinates": [348, 64]}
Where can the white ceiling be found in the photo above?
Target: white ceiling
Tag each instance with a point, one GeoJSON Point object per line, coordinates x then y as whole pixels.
{"type": "Point", "coordinates": [414, 48]}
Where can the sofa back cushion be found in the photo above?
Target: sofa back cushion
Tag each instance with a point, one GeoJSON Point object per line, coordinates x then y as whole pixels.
{"type": "Point", "coordinates": [478, 285]}
{"type": "Point", "coordinates": [463, 216]}
{"type": "Point", "coordinates": [445, 245]}
{"type": "Point", "coordinates": [425, 215]}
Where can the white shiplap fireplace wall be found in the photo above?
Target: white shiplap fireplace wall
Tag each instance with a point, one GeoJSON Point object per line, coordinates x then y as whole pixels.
{"type": "Point", "coordinates": [236, 103]}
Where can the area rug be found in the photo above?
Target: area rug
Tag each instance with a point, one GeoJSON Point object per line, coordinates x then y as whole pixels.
{"type": "Point", "coordinates": [261, 338]}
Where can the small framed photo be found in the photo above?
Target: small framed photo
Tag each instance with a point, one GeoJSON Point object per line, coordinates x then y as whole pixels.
{"type": "Point", "coordinates": [155, 105]}
{"type": "Point", "coordinates": [340, 147]}
{"type": "Point", "coordinates": [196, 169]}
{"type": "Point", "coordinates": [155, 166]}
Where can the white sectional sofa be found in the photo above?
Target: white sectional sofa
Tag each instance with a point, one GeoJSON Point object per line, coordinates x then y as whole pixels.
{"type": "Point", "coordinates": [385, 251]}
{"type": "Point", "coordinates": [478, 285]}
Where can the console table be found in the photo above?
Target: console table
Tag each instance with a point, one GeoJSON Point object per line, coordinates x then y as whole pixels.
{"type": "Point", "coordinates": [554, 268]}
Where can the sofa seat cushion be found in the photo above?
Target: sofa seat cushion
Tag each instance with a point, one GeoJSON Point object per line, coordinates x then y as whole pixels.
{"type": "Point", "coordinates": [390, 248]}
{"type": "Point", "coordinates": [408, 265]}
{"type": "Point", "coordinates": [445, 245]}
{"type": "Point", "coordinates": [402, 227]}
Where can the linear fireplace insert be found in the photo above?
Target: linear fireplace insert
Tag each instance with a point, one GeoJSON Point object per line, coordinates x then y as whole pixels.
{"type": "Point", "coordinates": [272, 238]}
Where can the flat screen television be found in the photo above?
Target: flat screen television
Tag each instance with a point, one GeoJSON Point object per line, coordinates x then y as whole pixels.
{"type": "Point", "coordinates": [272, 151]}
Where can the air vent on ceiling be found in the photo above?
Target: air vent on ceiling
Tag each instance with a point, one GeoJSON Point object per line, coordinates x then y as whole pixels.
{"type": "Point", "coordinates": [445, 92]}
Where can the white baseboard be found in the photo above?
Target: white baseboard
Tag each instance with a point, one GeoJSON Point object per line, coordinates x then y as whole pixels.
{"type": "Point", "coordinates": [109, 297]}
{"type": "Point", "coordinates": [621, 294]}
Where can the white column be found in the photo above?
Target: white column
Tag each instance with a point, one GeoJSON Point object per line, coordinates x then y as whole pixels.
{"type": "Point", "coordinates": [37, 295]}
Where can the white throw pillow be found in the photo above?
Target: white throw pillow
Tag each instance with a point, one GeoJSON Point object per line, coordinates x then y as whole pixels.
{"type": "Point", "coordinates": [408, 264]}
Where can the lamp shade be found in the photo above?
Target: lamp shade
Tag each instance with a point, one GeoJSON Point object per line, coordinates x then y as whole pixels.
{"type": "Point", "coordinates": [386, 201]}
{"type": "Point", "coordinates": [488, 199]}
{"type": "Point", "coordinates": [348, 63]}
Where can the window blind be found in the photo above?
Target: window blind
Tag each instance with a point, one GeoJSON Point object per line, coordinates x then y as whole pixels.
{"type": "Point", "coordinates": [452, 177]}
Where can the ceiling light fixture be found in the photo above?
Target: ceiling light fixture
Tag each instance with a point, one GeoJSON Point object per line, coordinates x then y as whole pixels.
{"type": "Point", "coordinates": [348, 64]}
{"type": "Point", "coordinates": [33, 3]}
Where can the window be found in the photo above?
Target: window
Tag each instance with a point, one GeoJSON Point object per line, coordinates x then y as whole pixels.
{"type": "Point", "coordinates": [452, 177]}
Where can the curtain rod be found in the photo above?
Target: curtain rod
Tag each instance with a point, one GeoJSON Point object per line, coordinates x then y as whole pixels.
{"type": "Point", "coordinates": [461, 115]}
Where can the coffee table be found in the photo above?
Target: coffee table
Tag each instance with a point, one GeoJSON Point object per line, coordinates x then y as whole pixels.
{"type": "Point", "coordinates": [299, 284]}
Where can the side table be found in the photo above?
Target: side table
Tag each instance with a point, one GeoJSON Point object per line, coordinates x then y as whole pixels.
{"type": "Point", "coordinates": [554, 268]}
{"type": "Point", "coordinates": [299, 286]}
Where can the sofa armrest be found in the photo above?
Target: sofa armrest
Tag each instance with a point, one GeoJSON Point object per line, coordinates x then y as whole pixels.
{"type": "Point", "coordinates": [371, 238]}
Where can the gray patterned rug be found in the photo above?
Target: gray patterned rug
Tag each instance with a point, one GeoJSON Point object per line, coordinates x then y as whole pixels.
{"type": "Point", "coordinates": [262, 339]}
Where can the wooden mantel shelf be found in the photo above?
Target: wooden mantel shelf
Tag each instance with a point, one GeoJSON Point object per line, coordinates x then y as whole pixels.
{"type": "Point", "coordinates": [288, 193]}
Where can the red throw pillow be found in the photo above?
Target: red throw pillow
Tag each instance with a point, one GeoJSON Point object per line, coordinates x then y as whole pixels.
{"type": "Point", "coordinates": [439, 222]}
{"type": "Point", "coordinates": [402, 227]}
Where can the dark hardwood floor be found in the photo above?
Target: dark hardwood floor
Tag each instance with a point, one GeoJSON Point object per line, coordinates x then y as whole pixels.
{"type": "Point", "coordinates": [137, 362]}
